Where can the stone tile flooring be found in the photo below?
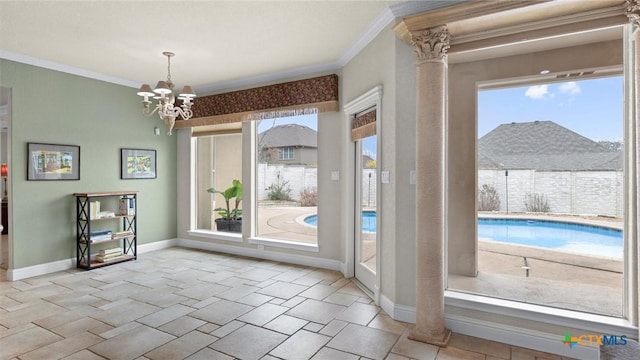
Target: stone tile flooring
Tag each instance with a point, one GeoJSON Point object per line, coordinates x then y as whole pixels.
{"type": "Point", "coordinates": [187, 304]}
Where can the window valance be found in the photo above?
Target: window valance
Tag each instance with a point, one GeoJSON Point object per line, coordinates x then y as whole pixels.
{"type": "Point", "coordinates": [363, 125]}
{"type": "Point", "coordinates": [308, 96]}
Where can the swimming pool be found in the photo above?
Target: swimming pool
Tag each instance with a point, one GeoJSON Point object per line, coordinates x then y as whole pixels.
{"type": "Point", "coordinates": [368, 221]}
{"type": "Point", "coordinates": [577, 238]}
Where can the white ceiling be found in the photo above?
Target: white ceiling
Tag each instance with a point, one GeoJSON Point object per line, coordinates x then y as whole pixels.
{"type": "Point", "coordinates": [218, 44]}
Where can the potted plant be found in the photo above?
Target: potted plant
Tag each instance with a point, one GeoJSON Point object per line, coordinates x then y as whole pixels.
{"type": "Point", "coordinates": [230, 219]}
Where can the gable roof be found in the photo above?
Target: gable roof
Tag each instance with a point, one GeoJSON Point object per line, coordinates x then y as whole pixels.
{"type": "Point", "coordinates": [543, 145]}
{"type": "Point", "coordinates": [289, 135]}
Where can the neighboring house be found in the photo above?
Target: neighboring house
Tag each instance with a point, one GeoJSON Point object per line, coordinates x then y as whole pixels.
{"type": "Point", "coordinates": [543, 145]}
{"type": "Point", "coordinates": [575, 174]}
{"type": "Point", "coordinates": [289, 144]}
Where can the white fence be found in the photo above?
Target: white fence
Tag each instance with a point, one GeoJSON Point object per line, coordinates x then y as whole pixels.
{"type": "Point", "coordinates": [300, 177]}
{"type": "Point", "coordinates": [571, 192]}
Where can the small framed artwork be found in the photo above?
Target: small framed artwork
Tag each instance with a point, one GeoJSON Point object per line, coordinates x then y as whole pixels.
{"type": "Point", "coordinates": [137, 164]}
{"type": "Point", "coordinates": [53, 162]}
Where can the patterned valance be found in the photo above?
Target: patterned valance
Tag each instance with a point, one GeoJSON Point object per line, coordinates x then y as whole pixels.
{"type": "Point", "coordinates": [363, 125]}
{"type": "Point", "coordinates": [300, 97]}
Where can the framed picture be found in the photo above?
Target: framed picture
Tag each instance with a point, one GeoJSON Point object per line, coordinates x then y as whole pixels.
{"type": "Point", "coordinates": [53, 162]}
{"type": "Point", "coordinates": [137, 164]}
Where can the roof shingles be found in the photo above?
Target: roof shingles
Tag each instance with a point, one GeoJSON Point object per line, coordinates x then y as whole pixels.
{"type": "Point", "coordinates": [288, 135]}
{"type": "Point", "coordinates": [543, 145]}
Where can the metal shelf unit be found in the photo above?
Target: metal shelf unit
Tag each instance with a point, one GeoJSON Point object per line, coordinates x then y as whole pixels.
{"type": "Point", "coordinates": [125, 234]}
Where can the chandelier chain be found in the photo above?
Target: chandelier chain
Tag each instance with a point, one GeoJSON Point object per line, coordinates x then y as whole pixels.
{"type": "Point", "coordinates": [169, 68]}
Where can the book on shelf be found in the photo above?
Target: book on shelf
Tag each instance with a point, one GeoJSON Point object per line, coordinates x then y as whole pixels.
{"type": "Point", "coordinates": [110, 251]}
{"type": "Point", "coordinates": [106, 214]}
{"type": "Point", "coordinates": [101, 258]}
{"type": "Point", "coordinates": [94, 209]}
{"type": "Point", "coordinates": [121, 234]}
{"type": "Point", "coordinates": [100, 235]}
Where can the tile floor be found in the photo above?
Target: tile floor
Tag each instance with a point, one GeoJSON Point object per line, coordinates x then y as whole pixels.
{"type": "Point", "coordinates": [187, 304]}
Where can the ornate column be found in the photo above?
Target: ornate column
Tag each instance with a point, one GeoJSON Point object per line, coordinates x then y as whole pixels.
{"type": "Point", "coordinates": [633, 12]}
{"type": "Point", "coordinates": [431, 47]}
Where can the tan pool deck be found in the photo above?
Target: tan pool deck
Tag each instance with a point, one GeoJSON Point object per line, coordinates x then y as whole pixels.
{"type": "Point", "coordinates": [555, 278]}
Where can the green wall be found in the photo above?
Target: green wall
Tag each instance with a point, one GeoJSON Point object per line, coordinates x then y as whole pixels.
{"type": "Point", "coordinates": [54, 107]}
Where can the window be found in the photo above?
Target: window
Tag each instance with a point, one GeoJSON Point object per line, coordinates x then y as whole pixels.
{"type": "Point", "coordinates": [550, 170]}
{"type": "Point", "coordinates": [287, 192]}
{"type": "Point", "coordinates": [544, 187]}
{"type": "Point", "coordinates": [218, 164]}
{"type": "Point", "coordinates": [287, 153]}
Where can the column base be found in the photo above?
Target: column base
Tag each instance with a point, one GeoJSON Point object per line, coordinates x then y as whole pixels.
{"type": "Point", "coordinates": [442, 340]}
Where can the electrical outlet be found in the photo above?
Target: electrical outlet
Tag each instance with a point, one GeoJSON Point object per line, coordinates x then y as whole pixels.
{"type": "Point", "coordinates": [384, 177]}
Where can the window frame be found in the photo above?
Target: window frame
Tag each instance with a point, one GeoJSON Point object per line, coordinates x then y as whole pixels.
{"type": "Point", "coordinates": [254, 237]}
{"type": "Point", "coordinates": [290, 152]}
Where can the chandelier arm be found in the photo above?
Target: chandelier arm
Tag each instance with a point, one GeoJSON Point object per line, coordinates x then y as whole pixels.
{"type": "Point", "coordinates": [186, 114]}
{"type": "Point", "coordinates": [148, 112]}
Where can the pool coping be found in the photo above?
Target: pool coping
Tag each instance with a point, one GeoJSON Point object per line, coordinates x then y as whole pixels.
{"type": "Point", "coordinates": [554, 255]}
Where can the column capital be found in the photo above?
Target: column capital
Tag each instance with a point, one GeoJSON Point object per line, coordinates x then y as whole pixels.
{"type": "Point", "coordinates": [632, 11]}
{"type": "Point", "coordinates": [431, 44]}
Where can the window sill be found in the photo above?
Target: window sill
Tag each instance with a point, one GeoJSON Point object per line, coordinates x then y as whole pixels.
{"type": "Point", "coordinates": [216, 235]}
{"type": "Point", "coordinates": [284, 244]}
{"type": "Point", "coordinates": [566, 318]}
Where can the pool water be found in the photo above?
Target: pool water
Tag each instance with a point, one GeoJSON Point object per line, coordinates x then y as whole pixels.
{"type": "Point", "coordinates": [369, 223]}
{"type": "Point", "coordinates": [577, 238]}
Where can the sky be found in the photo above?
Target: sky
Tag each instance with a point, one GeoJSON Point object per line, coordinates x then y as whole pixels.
{"type": "Point", "coordinates": [592, 108]}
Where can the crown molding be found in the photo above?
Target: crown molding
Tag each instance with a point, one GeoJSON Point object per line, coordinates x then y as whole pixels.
{"type": "Point", "coordinates": [387, 17]}
{"type": "Point", "coordinates": [408, 8]}
{"type": "Point", "coordinates": [382, 21]}
{"type": "Point", "coordinates": [24, 59]}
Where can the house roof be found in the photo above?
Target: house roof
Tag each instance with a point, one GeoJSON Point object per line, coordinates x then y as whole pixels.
{"type": "Point", "coordinates": [543, 145]}
{"type": "Point", "coordinates": [289, 135]}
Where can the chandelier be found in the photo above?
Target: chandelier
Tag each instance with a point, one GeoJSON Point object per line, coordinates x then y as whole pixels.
{"type": "Point", "coordinates": [166, 100]}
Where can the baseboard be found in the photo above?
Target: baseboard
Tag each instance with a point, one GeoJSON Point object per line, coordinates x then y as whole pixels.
{"type": "Point", "coordinates": [398, 312]}
{"type": "Point", "coordinates": [67, 264]}
{"type": "Point", "coordinates": [40, 269]}
{"type": "Point", "coordinates": [157, 245]}
{"type": "Point", "coordinates": [525, 338]}
{"type": "Point", "coordinates": [263, 254]}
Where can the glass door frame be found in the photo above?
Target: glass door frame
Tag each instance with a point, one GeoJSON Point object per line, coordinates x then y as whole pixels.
{"type": "Point", "coordinates": [362, 272]}
{"type": "Point", "coordinates": [369, 99]}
